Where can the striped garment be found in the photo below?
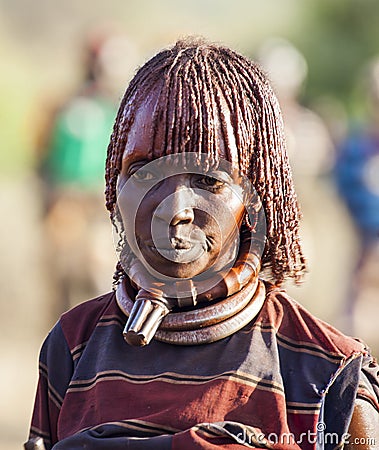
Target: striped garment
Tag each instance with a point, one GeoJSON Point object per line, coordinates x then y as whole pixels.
{"type": "Point", "coordinates": [285, 381]}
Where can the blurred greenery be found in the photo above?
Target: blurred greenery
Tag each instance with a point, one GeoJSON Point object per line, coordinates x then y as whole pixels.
{"type": "Point", "coordinates": [41, 45]}
{"type": "Point", "coordinates": [339, 38]}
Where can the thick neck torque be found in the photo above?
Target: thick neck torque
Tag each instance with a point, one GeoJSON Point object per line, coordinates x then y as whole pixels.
{"type": "Point", "coordinates": [148, 319]}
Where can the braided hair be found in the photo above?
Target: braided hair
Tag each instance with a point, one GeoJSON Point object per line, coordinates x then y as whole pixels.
{"type": "Point", "coordinates": [195, 80]}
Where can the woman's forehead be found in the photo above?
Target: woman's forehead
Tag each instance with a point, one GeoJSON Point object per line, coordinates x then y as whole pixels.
{"type": "Point", "coordinates": [153, 123]}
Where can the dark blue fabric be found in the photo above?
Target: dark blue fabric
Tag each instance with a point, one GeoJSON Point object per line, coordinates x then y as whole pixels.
{"type": "Point", "coordinates": [336, 414]}
{"type": "Point", "coordinates": [56, 356]}
{"type": "Point", "coordinates": [112, 437]}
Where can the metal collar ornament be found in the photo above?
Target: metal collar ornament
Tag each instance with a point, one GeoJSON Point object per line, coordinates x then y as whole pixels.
{"type": "Point", "coordinates": [152, 318]}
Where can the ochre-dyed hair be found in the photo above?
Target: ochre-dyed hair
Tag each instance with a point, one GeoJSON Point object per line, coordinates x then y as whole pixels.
{"type": "Point", "coordinates": [195, 80]}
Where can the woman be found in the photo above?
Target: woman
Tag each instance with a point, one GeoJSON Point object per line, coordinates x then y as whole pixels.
{"type": "Point", "coordinates": [214, 353]}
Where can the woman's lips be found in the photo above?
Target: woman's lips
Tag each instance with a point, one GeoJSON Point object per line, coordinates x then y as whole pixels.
{"type": "Point", "coordinates": [181, 255]}
{"type": "Point", "coordinates": [178, 250]}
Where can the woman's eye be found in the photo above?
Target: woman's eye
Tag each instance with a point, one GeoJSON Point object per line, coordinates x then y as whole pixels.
{"type": "Point", "coordinates": [143, 175]}
{"type": "Point", "coordinates": [211, 182]}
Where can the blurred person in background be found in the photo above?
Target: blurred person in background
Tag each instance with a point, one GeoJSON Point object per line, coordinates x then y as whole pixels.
{"type": "Point", "coordinates": [357, 177]}
{"type": "Point", "coordinates": [309, 144]}
{"type": "Point", "coordinates": [312, 153]}
{"type": "Point", "coordinates": [72, 152]}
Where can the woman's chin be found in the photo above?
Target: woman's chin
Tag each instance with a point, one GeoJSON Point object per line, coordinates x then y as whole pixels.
{"type": "Point", "coordinates": [172, 269]}
{"type": "Point", "coordinates": [180, 270]}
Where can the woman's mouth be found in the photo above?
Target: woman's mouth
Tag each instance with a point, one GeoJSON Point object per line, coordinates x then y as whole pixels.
{"type": "Point", "coordinates": [178, 250]}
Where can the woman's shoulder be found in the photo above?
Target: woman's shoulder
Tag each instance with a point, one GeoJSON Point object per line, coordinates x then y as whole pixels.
{"type": "Point", "coordinates": [79, 322]}
{"type": "Point", "coordinates": [90, 306]}
{"type": "Point", "coordinates": [299, 331]}
{"type": "Point", "coordinates": [297, 326]}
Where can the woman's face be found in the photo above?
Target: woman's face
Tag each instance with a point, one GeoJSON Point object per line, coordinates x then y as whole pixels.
{"type": "Point", "coordinates": [180, 218]}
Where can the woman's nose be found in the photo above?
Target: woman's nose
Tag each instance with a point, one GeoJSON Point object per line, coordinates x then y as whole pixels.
{"type": "Point", "coordinates": [183, 216]}
{"type": "Point", "coordinates": [176, 208]}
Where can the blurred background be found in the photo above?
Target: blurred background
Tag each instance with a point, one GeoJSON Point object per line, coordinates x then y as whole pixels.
{"type": "Point", "coordinates": [64, 66]}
